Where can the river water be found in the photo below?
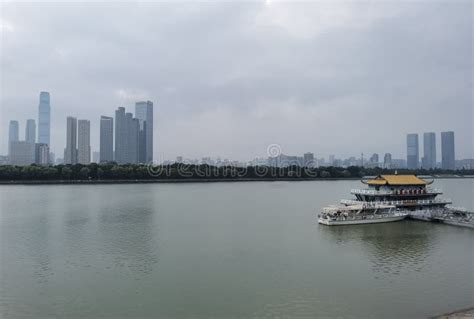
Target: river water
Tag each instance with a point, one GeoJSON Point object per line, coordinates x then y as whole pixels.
{"type": "Point", "coordinates": [223, 250]}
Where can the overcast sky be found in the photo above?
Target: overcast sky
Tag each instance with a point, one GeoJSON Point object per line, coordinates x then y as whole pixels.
{"type": "Point", "coordinates": [228, 79]}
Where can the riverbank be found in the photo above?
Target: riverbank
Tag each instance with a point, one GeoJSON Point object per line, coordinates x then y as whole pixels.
{"type": "Point", "coordinates": [192, 180]}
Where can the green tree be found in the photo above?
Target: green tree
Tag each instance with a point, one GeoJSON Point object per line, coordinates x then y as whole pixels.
{"type": "Point", "coordinates": [66, 173]}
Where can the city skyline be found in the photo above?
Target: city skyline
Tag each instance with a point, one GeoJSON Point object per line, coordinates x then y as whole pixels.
{"type": "Point", "coordinates": [295, 84]}
{"type": "Point", "coordinates": [144, 110]}
{"type": "Point", "coordinates": [131, 132]}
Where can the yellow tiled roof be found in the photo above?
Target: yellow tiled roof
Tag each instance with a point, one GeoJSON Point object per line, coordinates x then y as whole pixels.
{"type": "Point", "coordinates": [397, 180]}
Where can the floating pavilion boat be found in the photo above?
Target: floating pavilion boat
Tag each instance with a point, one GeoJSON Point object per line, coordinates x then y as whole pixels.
{"type": "Point", "coordinates": [407, 192]}
{"type": "Point", "coordinates": [410, 195]}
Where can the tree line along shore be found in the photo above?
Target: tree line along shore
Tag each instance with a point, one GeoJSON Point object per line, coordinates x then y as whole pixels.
{"type": "Point", "coordinates": [111, 172]}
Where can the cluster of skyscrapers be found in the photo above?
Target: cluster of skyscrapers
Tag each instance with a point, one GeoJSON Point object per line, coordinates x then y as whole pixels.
{"type": "Point", "coordinates": [428, 161]}
{"type": "Point", "coordinates": [78, 141]}
{"type": "Point", "coordinates": [32, 150]}
{"type": "Point", "coordinates": [133, 137]}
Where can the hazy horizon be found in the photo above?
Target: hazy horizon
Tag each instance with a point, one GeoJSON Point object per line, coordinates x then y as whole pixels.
{"type": "Point", "coordinates": [229, 79]}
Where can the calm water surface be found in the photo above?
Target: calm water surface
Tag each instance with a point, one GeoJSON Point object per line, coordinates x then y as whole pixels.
{"type": "Point", "coordinates": [223, 250]}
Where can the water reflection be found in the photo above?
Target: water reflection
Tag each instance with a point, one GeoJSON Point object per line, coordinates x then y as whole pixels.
{"type": "Point", "coordinates": [39, 249]}
{"type": "Point", "coordinates": [127, 236]}
{"type": "Point", "coordinates": [391, 247]}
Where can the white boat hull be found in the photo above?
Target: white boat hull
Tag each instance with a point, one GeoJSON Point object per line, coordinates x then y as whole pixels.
{"type": "Point", "coordinates": [329, 222]}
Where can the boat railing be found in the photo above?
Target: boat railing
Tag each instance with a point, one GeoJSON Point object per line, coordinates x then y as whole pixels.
{"type": "Point", "coordinates": [400, 202]}
{"type": "Point", "coordinates": [406, 192]}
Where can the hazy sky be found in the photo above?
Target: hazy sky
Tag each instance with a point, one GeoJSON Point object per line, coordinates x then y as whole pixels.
{"type": "Point", "coordinates": [228, 79]}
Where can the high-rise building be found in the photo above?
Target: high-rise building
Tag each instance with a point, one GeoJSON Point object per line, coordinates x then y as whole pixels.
{"type": "Point", "coordinates": [120, 136]}
{"type": "Point", "coordinates": [144, 112]}
{"type": "Point", "coordinates": [374, 159]}
{"type": "Point", "coordinates": [126, 137]}
{"type": "Point", "coordinates": [133, 135]}
{"type": "Point", "coordinates": [429, 150]}
{"type": "Point", "coordinates": [106, 139]}
{"type": "Point", "coordinates": [52, 158]}
{"type": "Point", "coordinates": [84, 142]}
{"type": "Point", "coordinates": [308, 159]}
{"type": "Point", "coordinates": [332, 158]}
{"type": "Point", "coordinates": [44, 119]}
{"type": "Point", "coordinates": [387, 160]}
{"type": "Point", "coordinates": [70, 152]}
{"type": "Point", "coordinates": [42, 155]}
{"type": "Point", "coordinates": [142, 142]}
{"type": "Point", "coordinates": [30, 131]}
{"type": "Point", "coordinates": [448, 158]}
{"type": "Point", "coordinates": [22, 153]}
{"type": "Point", "coordinates": [13, 134]}
{"type": "Point", "coordinates": [413, 158]}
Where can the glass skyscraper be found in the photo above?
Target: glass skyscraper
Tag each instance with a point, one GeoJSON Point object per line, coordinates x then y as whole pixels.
{"type": "Point", "coordinates": [429, 150]}
{"type": "Point", "coordinates": [70, 152]}
{"type": "Point", "coordinates": [144, 113]}
{"type": "Point", "coordinates": [126, 137]}
{"type": "Point", "coordinates": [106, 139]}
{"type": "Point", "coordinates": [84, 142]}
{"type": "Point", "coordinates": [30, 131]}
{"type": "Point", "coordinates": [413, 158]}
{"type": "Point", "coordinates": [44, 119]}
{"type": "Point", "coordinates": [447, 150]}
{"type": "Point", "coordinates": [13, 134]}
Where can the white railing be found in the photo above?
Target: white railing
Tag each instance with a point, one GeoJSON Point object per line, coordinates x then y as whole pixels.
{"type": "Point", "coordinates": [400, 202]}
{"type": "Point", "coordinates": [429, 191]}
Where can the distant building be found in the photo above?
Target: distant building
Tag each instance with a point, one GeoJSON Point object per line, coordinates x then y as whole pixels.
{"type": "Point", "coordinates": [22, 153]}
{"type": "Point", "coordinates": [42, 154]}
{"type": "Point", "coordinates": [308, 159]}
{"type": "Point", "coordinates": [44, 119]}
{"type": "Point", "coordinates": [399, 163]}
{"type": "Point", "coordinates": [133, 129]}
{"type": "Point", "coordinates": [84, 142]}
{"type": "Point", "coordinates": [332, 158]}
{"type": "Point", "coordinates": [120, 136]}
{"type": "Point", "coordinates": [448, 159]}
{"type": "Point", "coordinates": [3, 160]}
{"type": "Point", "coordinates": [106, 139]}
{"type": "Point", "coordinates": [179, 159]}
{"type": "Point", "coordinates": [413, 158]}
{"type": "Point", "coordinates": [283, 160]}
{"type": "Point", "coordinates": [96, 157]}
{"type": "Point", "coordinates": [429, 150]}
{"type": "Point", "coordinates": [52, 158]}
{"type": "Point", "coordinates": [144, 113]}
{"type": "Point", "coordinates": [13, 134]}
{"type": "Point", "coordinates": [387, 160]}
{"type": "Point", "coordinates": [467, 163]}
{"type": "Point", "coordinates": [30, 131]}
{"type": "Point", "coordinates": [126, 137]}
{"type": "Point", "coordinates": [70, 152]}
{"type": "Point", "coordinates": [374, 160]}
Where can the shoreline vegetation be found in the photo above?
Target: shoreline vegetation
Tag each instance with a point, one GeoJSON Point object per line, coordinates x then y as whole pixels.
{"type": "Point", "coordinates": [112, 173]}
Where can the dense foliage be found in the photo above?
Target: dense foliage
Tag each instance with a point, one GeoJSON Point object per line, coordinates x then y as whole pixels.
{"type": "Point", "coordinates": [112, 171]}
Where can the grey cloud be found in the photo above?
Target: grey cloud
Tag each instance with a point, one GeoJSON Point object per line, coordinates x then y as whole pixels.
{"type": "Point", "coordinates": [229, 78]}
